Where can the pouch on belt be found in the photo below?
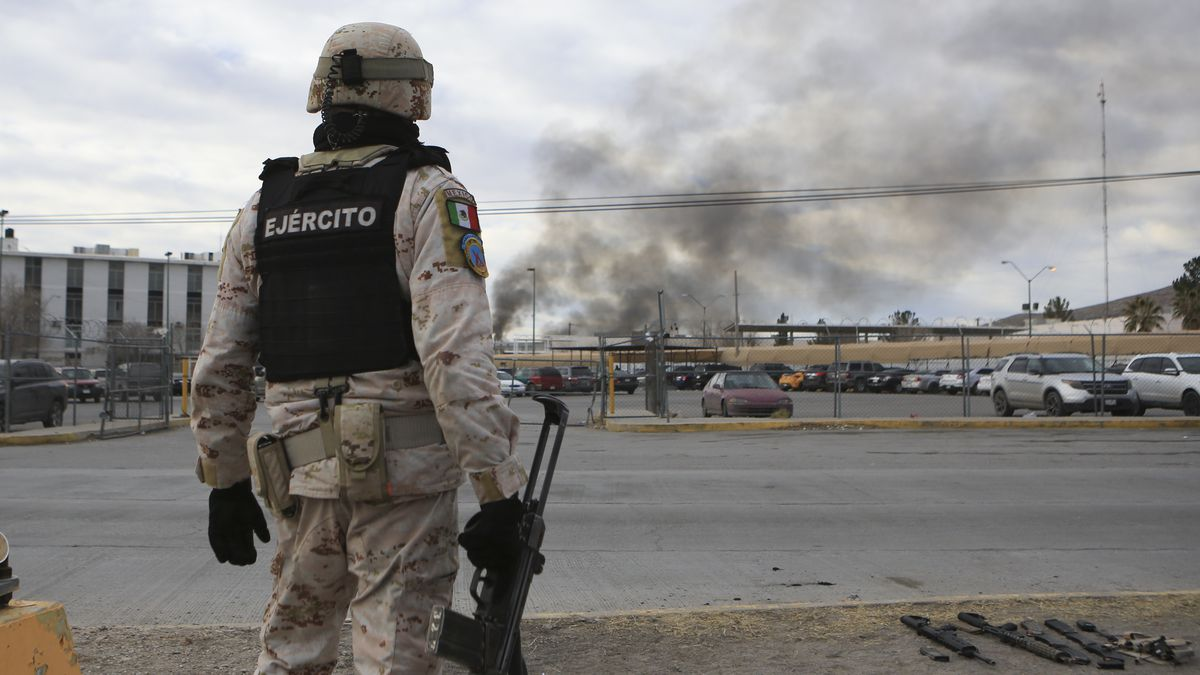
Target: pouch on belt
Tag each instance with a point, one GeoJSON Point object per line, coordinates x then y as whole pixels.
{"type": "Point", "coordinates": [362, 470]}
{"type": "Point", "coordinates": [272, 474]}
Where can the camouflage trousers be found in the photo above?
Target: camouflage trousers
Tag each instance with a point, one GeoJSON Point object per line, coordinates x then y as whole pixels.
{"type": "Point", "coordinates": [388, 563]}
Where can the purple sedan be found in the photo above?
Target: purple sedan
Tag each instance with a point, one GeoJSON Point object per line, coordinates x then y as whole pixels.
{"type": "Point", "coordinates": [744, 393]}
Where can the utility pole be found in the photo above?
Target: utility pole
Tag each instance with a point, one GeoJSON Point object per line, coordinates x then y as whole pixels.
{"type": "Point", "coordinates": [1104, 192]}
{"type": "Point", "coordinates": [737, 314]}
{"type": "Point", "coordinates": [3, 237]}
{"type": "Point", "coordinates": [533, 336]}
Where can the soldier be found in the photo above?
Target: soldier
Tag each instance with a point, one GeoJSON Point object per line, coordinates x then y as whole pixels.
{"type": "Point", "coordinates": [355, 275]}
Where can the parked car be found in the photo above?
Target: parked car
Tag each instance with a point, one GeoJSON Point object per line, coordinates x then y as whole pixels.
{"type": "Point", "coordinates": [853, 375]}
{"type": "Point", "coordinates": [1166, 381]}
{"type": "Point", "coordinates": [578, 378]}
{"type": "Point", "coordinates": [39, 393]}
{"type": "Point", "coordinates": [952, 382]}
{"type": "Point", "coordinates": [260, 383]}
{"type": "Point", "coordinates": [545, 378]}
{"type": "Point", "coordinates": [744, 393]}
{"type": "Point", "coordinates": [922, 382]}
{"type": "Point", "coordinates": [775, 370]}
{"type": "Point", "coordinates": [984, 385]}
{"type": "Point", "coordinates": [82, 383]}
{"type": "Point", "coordinates": [509, 385]}
{"type": "Point", "coordinates": [681, 377]}
{"type": "Point", "coordinates": [793, 381]}
{"type": "Point", "coordinates": [623, 381]}
{"type": "Point", "coordinates": [705, 372]}
{"type": "Point", "coordinates": [887, 379]}
{"type": "Point", "coordinates": [140, 380]}
{"type": "Point", "coordinates": [1060, 384]}
{"type": "Point", "coordinates": [814, 377]}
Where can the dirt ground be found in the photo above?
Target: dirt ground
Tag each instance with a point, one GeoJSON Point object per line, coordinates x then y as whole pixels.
{"type": "Point", "coordinates": [856, 638]}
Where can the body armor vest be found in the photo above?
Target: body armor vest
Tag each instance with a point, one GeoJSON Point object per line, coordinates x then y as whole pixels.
{"type": "Point", "coordinates": [330, 303]}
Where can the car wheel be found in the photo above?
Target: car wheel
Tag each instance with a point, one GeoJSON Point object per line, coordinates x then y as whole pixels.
{"type": "Point", "coordinates": [1000, 403]}
{"type": "Point", "coordinates": [724, 409]}
{"type": "Point", "coordinates": [55, 417]}
{"type": "Point", "coordinates": [1191, 403]}
{"type": "Point", "coordinates": [860, 385]}
{"type": "Point", "coordinates": [703, 410]}
{"type": "Point", "coordinates": [1054, 404]}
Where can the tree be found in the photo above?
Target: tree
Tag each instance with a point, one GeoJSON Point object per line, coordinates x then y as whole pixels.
{"type": "Point", "coordinates": [782, 337]}
{"type": "Point", "coordinates": [1059, 308]}
{"type": "Point", "coordinates": [21, 316]}
{"type": "Point", "coordinates": [1143, 315]}
{"type": "Point", "coordinates": [905, 317]}
{"type": "Point", "coordinates": [1186, 304]}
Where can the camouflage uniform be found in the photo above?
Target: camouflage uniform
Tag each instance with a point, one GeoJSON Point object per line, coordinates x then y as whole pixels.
{"type": "Point", "coordinates": [389, 563]}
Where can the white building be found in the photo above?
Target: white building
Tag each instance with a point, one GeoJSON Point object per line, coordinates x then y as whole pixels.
{"type": "Point", "coordinates": [97, 293]}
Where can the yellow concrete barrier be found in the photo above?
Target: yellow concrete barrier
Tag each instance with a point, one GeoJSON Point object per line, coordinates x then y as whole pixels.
{"type": "Point", "coordinates": [36, 640]}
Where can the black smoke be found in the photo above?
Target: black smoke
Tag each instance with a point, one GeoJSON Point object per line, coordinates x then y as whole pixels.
{"type": "Point", "coordinates": [807, 95]}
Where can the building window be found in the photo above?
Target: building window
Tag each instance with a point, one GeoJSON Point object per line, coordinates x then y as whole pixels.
{"type": "Point", "coordinates": [74, 307]}
{"type": "Point", "coordinates": [156, 277]}
{"type": "Point", "coordinates": [33, 273]}
{"type": "Point", "coordinates": [195, 279]}
{"type": "Point", "coordinates": [75, 274]}
{"type": "Point", "coordinates": [116, 293]}
{"type": "Point", "coordinates": [194, 335]}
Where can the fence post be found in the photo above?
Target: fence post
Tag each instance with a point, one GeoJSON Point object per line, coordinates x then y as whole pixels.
{"type": "Point", "coordinates": [8, 378]}
{"type": "Point", "coordinates": [837, 376]}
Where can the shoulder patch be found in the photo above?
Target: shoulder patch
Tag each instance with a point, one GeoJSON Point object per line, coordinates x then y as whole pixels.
{"type": "Point", "coordinates": [460, 195]}
{"type": "Point", "coordinates": [472, 248]}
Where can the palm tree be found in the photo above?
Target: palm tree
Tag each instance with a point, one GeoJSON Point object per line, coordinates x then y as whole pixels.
{"type": "Point", "coordinates": [1187, 306]}
{"type": "Point", "coordinates": [1143, 315]}
{"type": "Point", "coordinates": [905, 317]}
{"type": "Point", "coordinates": [1059, 308]}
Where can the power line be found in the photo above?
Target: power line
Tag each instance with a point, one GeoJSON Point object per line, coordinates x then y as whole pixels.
{"type": "Point", "coordinates": [638, 202]}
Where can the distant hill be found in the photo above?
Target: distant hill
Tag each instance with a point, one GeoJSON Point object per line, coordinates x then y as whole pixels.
{"type": "Point", "coordinates": [1164, 296]}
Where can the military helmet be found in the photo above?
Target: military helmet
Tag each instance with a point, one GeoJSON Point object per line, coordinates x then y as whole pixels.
{"type": "Point", "coordinates": [374, 65]}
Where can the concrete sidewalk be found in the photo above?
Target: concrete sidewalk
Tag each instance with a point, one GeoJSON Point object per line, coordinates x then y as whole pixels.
{"type": "Point", "coordinates": [84, 432]}
{"type": "Point", "coordinates": [686, 424]}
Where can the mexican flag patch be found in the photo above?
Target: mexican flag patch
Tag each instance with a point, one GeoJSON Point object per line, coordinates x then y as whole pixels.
{"type": "Point", "coordinates": [463, 215]}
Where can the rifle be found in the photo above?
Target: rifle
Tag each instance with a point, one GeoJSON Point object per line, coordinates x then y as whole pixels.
{"type": "Point", "coordinates": [1015, 639]}
{"type": "Point", "coordinates": [946, 635]}
{"type": "Point", "coordinates": [1109, 659]}
{"type": "Point", "coordinates": [1032, 630]}
{"type": "Point", "coordinates": [490, 643]}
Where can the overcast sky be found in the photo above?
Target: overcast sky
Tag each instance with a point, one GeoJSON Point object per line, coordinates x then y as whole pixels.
{"type": "Point", "coordinates": [138, 106]}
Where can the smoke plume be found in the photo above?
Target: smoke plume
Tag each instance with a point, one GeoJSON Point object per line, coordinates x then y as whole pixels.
{"type": "Point", "coordinates": [808, 95]}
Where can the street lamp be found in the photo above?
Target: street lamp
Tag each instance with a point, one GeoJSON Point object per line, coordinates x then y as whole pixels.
{"type": "Point", "coordinates": [533, 336]}
{"type": "Point", "coordinates": [3, 212]}
{"type": "Point", "coordinates": [1029, 290]}
{"type": "Point", "coordinates": [703, 314]}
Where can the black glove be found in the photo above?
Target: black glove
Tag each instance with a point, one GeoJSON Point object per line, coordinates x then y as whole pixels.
{"type": "Point", "coordinates": [234, 516]}
{"type": "Point", "coordinates": [492, 536]}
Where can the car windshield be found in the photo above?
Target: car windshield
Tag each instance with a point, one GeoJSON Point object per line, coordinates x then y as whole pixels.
{"type": "Point", "coordinates": [1067, 364]}
{"type": "Point", "coordinates": [751, 379]}
{"type": "Point", "coordinates": [1190, 364]}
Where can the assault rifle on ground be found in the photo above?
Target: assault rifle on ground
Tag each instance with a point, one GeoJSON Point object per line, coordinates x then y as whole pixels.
{"type": "Point", "coordinates": [1014, 638]}
{"type": "Point", "coordinates": [1110, 659]}
{"type": "Point", "coordinates": [1034, 630]}
{"type": "Point", "coordinates": [489, 641]}
{"type": "Point", "coordinates": [946, 636]}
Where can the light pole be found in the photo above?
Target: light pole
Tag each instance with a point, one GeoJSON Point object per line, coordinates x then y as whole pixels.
{"type": "Point", "coordinates": [533, 336]}
{"type": "Point", "coordinates": [1029, 290]}
{"type": "Point", "coordinates": [167, 306]}
{"type": "Point", "coordinates": [3, 212]}
{"type": "Point", "coordinates": [703, 314]}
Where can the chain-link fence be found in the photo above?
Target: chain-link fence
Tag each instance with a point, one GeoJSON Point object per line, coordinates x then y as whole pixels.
{"type": "Point", "coordinates": [122, 383]}
{"type": "Point", "coordinates": [920, 375]}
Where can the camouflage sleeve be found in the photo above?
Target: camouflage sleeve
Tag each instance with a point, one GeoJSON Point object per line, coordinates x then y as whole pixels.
{"type": "Point", "coordinates": [223, 404]}
{"type": "Point", "coordinates": [452, 327]}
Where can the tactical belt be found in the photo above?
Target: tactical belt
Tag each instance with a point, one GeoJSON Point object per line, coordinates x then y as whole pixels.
{"type": "Point", "coordinates": [405, 431]}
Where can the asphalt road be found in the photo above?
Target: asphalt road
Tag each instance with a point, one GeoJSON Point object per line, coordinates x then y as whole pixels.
{"type": "Point", "coordinates": [116, 529]}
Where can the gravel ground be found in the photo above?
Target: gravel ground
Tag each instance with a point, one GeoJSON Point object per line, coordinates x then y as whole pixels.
{"type": "Point", "coordinates": [856, 638]}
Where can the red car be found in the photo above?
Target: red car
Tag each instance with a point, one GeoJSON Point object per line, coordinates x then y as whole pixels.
{"type": "Point", "coordinates": [744, 393]}
{"type": "Point", "coordinates": [546, 378]}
